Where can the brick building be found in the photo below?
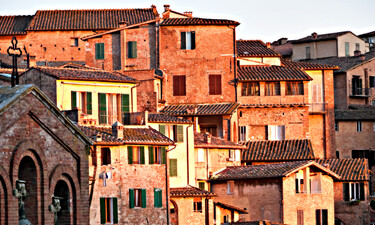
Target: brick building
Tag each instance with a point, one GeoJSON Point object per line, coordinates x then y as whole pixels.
{"type": "Point", "coordinates": [44, 148]}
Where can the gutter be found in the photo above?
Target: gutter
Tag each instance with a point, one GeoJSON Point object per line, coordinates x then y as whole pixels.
{"type": "Point", "coordinates": [187, 152]}
{"type": "Point", "coordinates": [131, 94]}
{"type": "Point", "coordinates": [167, 184]}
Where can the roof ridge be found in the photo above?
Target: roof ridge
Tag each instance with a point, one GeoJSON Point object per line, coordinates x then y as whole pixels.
{"type": "Point", "coordinates": [113, 9]}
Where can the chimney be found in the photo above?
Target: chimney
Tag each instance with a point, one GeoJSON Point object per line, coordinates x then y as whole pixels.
{"type": "Point", "coordinates": [207, 138]}
{"type": "Point", "coordinates": [188, 14]}
{"type": "Point", "coordinates": [357, 53]}
{"type": "Point", "coordinates": [268, 44]}
{"type": "Point", "coordinates": [282, 41]}
{"type": "Point", "coordinates": [362, 57]}
{"type": "Point", "coordinates": [314, 35]}
{"type": "Point", "coordinates": [97, 137]}
{"type": "Point", "coordinates": [166, 7]}
{"type": "Point", "coordinates": [118, 130]}
{"type": "Point", "coordinates": [154, 10]}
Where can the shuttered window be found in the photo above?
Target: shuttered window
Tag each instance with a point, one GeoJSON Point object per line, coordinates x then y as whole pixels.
{"type": "Point", "coordinates": [136, 155]}
{"type": "Point", "coordinates": [89, 103]}
{"type": "Point", "coordinates": [300, 217]}
{"type": "Point", "coordinates": [275, 132]}
{"type": "Point", "coordinates": [162, 129]}
{"type": "Point", "coordinates": [155, 155]}
{"type": "Point", "coordinates": [163, 155]}
{"type": "Point", "coordinates": [214, 84]}
{"type": "Point", "coordinates": [179, 85]}
{"type": "Point", "coordinates": [354, 191]}
{"type": "Point", "coordinates": [108, 210]}
{"type": "Point", "coordinates": [294, 88]}
{"type": "Point", "coordinates": [188, 40]}
{"type": "Point", "coordinates": [272, 88]}
{"type": "Point", "coordinates": [202, 185]}
{"type": "Point", "coordinates": [132, 49]}
{"type": "Point", "coordinates": [74, 100]}
{"type": "Point", "coordinates": [321, 217]}
{"type": "Point", "coordinates": [250, 89]}
{"type": "Point", "coordinates": [137, 198]}
{"type": "Point", "coordinates": [102, 108]}
{"type": "Point", "coordinates": [158, 198]}
{"type": "Point", "coordinates": [173, 167]}
{"type": "Point", "coordinates": [99, 51]}
{"type": "Point", "coordinates": [178, 133]}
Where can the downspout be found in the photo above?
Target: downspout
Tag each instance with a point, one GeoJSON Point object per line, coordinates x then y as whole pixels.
{"type": "Point", "coordinates": [167, 185]}
{"type": "Point", "coordinates": [187, 152]}
{"type": "Point", "coordinates": [324, 118]}
{"type": "Point", "coordinates": [93, 182]}
{"type": "Point", "coordinates": [234, 62]}
{"type": "Point", "coordinates": [207, 163]}
{"type": "Point", "coordinates": [131, 94]}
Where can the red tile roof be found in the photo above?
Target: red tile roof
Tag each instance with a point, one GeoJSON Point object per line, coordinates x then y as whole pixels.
{"type": "Point", "coordinates": [356, 112]}
{"type": "Point", "coordinates": [88, 19]}
{"type": "Point", "coordinates": [231, 207]}
{"type": "Point", "coordinates": [283, 150]}
{"type": "Point", "coordinates": [131, 136]}
{"type": "Point", "coordinates": [196, 21]}
{"type": "Point", "coordinates": [215, 142]}
{"type": "Point", "coordinates": [84, 74]}
{"type": "Point", "coordinates": [14, 25]}
{"type": "Point", "coordinates": [273, 170]}
{"type": "Point", "coordinates": [348, 169]}
{"type": "Point", "coordinates": [200, 109]}
{"type": "Point", "coordinates": [307, 65]}
{"type": "Point", "coordinates": [189, 191]}
{"type": "Point", "coordinates": [285, 50]}
{"type": "Point", "coordinates": [270, 73]}
{"type": "Point", "coordinates": [162, 118]}
{"type": "Point", "coordinates": [254, 48]}
{"type": "Point", "coordinates": [320, 37]}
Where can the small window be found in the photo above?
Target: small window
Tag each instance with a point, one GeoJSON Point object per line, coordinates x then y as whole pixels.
{"type": "Point", "coordinates": [137, 198]}
{"type": "Point", "coordinates": [354, 191]}
{"type": "Point", "coordinates": [214, 84]}
{"type": "Point", "coordinates": [99, 51]}
{"type": "Point", "coordinates": [337, 154]}
{"type": "Point", "coordinates": [275, 132]}
{"type": "Point", "coordinates": [336, 126]}
{"type": "Point", "coordinates": [75, 42]}
{"type": "Point", "coordinates": [188, 40]}
{"type": "Point", "coordinates": [132, 49]}
{"type": "Point", "coordinates": [242, 133]}
{"type": "Point", "coordinates": [300, 219]}
{"type": "Point", "coordinates": [179, 85]}
{"type": "Point", "coordinates": [357, 46]}
{"type": "Point", "coordinates": [108, 211]}
{"type": "Point", "coordinates": [250, 89]}
{"type": "Point", "coordinates": [230, 187]}
{"type": "Point", "coordinates": [237, 157]}
{"type": "Point", "coordinates": [372, 81]}
{"type": "Point", "coordinates": [200, 155]}
{"type": "Point", "coordinates": [294, 88]}
{"type": "Point", "coordinates": [231, 155]}
{"type": "Point", "coordinates": [272, 88]}
{"type": "Point", "coordinates": [359, 126]}
{"type": "Point", "coordinates": [347, 53]}
{"type": "Point", "coordinates": [315, 183]}
{"type": "Point", "coordinates": [198, 205]}
{"type": "Point", "coordinates": [202, 185]}
{"type": "Point", "coordinates": [106, 156]}
{"type": "Point", "coordinates": [173, 167]}
{"type": "Point", "coordinates": [82, 101]}
{"type": "Point", "coordinates": [321, 217]}
{"type": "Point", "coordinates": [157, 155]}
{"type": "Point", "coordinates": [136, 154]}
{"type": "Point", "coordinates": [300, 183]}
{"type": "Point", "coordinates": [308, 53]}
{"type": "Point", "coordinates": [158, 198]}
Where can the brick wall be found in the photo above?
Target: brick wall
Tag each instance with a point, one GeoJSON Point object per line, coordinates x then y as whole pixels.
{"type": "Point", "coordinates": [186, 213]}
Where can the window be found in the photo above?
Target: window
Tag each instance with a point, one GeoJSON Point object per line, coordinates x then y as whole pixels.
{"type": "Point", "coordinates": [178, 133]}
{"type": "Point", "coordinates": [356, 86]}
{"type": "Point", "coordinates": [202, 185]}
{"type": "Point", "coordinates": [359, 126]}
{"type": "Point", "coordinates": [188, 40]}
{"type": "Point", "coordinates": [200, 155]}
{"type": "Point", "coordinates": [242, 133]}
{"type": "Point", "coordinates": [158, 198]}
{"type": "Point", "coordinates": [113, 107]}
{"type": "Point", "coordinates": [250, 89]}
{"type": "Point", "coordinates": [137, 198]}
{"type": "Point", "coordinates": [237, 155]}
{"type": "Point", "coordinates": [275, 132]}
{"type": "Point", "coordinates": [347, 49]}
{"type": "Point", "coordinates": [373, 102]}
{"type": "Point", "coordinates": [108, 211]}
{"type": "Point", "coordinates": [315, 183]}
{"type": "Point", "coordinates": [308, 53]}
{"type": "Point", "coordinates": [136, 155]}
{"type": "Point", "coordinates": [354, 191]}
{"type": "Point", "coordinates": [132, 49]}
{"type": "Point", "coordinates": [337, 154]}
{"type": "Point", "coordinates": [336, 126]}
{"type": "Point", "coordinates": [74, 42]}
{"type": "Point", "coordinates": [373, 126]}
{"type": "Point", "coordinates": [372, 81]}
{"type": "Point", "coordinates": [82, 100]}
{"type": "Point", "coordinates": [230, 187]}
{"type": "Point", "coordinates": [272, 88]}
{"type": "Point", "coordinates": [300, 217]}
{"type": "Point", "coordinates": [179, 85]}
{"type": "Point", "coordinates": [357, 46]}
{"type": "Point", "coordinates": [231, 155]}
{"type": "Point", "coordinates": [156, 155]}
{"type": "Point", "coordinates": [99, 50]}
{"type": "Point", "coordinates": [214, 84]}
{"type": "Point", "coordinates": [173, 167]}
{"type": "Point", "coordinates": [197, 204]}
{"type": "Point", "coordinates": [294, 88]}
{"type": "Point", "coordinates": [106, 156]}
{"type": "Point", "coordinates": [300, 183]}
{"type": "Point", "coordinates": [321, 217]}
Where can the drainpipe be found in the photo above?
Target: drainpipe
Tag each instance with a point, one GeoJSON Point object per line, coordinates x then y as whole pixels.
{"type": "Point", "coordinates": [187, 152]}
{"type": "Point", "coordinates": [167, 184]}
{"type": "Point", "coordinates": [131, 94]}
{"type": "Point", "coordinates": [324, 117]}
{"type": "Point", "coordinates": [93, 182]}
{"type": "Point", "coordinates": [234, 62]}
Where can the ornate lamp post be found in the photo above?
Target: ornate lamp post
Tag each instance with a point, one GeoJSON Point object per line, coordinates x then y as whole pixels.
{"type": "Point", "coordinates": [55, 208]}
{"type": "Point", "coordinates": [20, 192]}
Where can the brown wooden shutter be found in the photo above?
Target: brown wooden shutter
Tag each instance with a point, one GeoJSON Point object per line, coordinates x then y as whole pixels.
{"type": "Point", "coordinates": [193, 40]}
{"type": "Point", "coordinates": [183, 40]}
{"type": "Point", "coordinates": [182, 85]}
{"type": "Point", "coordinates": [211, 83]}
{"type": "Point", "coordinates": [175, 85]}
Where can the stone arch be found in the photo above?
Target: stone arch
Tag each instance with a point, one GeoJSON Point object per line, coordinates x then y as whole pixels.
{"type": "Point", "coordinates": [174, 215]}
{"type": "Point", "coordinates": [339, 221]}
{"type": "Point", "coordinates": [5, 201]}
{"type": "Point", "coordinates": [65, 192]}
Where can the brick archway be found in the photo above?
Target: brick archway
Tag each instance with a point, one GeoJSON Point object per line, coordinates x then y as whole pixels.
{"type": "Point", "coordinates": [6, 201]}
{"type": "Point", "coordinates": [174, 218]}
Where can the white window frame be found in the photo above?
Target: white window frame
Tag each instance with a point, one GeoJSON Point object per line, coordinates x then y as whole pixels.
{"type": "Point", "coordinates": [243, 133]}
{"type": "Point", "coordinates": [229, 190]}
{"type": "Point", "coordinates": [276, 132]}
{"type": "Point", "coordinates": [316, 184]}
{"type": "Point", "coordinates": [200, 155]}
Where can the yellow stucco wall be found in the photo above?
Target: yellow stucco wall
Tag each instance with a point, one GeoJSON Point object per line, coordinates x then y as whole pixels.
{"type": "Point", "coordinates": [251, 61]}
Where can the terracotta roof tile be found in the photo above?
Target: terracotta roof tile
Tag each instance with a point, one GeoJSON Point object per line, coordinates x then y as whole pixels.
{"type": "Point", "coordinates": [14, 25]}
{"type": "Point", "coordinates": [308, 65]}
{"type": "Point", "coordinates": [196, 21]}
{"type": "Point", "coordinates": [356, 112]}
{"type": "Point", "coordinates": [189, 191]}
{"type": "Point", "coordinates": [85, 74]}
{"type": "Point", "coordinates": [283, 150]}
{"type": "Point", "coordinates": [270, 73]}
{"type": "Point", "coordinates": [348, 169]}
{"type": "Point", "coordinates": [285, 105]}
{"type": "Point", "coordinates": [215, 142]}
{"type": "Point", "coordinates": [284, 49]}
{"type": "Point", "coordinates": [254, 48]}
{"type": "Point", "coordinates": [320, 37]}
{"type": "Point", "coordinates": [200, 109]}
{"type": "Point", "coordinates": [88, 19]}
{"type": "Point", "coordinates": [231, 207]}
{"type": "Point", "coordinates": [131, 136]}
{"type": "Point", "coordinates": [163, 118]}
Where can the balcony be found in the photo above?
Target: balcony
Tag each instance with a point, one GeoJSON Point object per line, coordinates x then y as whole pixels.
{"type": "Point", "coordinates": [317, 108]}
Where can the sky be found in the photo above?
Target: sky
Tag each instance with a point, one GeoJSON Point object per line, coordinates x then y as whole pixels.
{"type": "Point", "coordinates": [266, 20]}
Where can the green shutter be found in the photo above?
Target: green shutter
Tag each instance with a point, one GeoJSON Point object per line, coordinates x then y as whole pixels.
{"type": "Point", "coordinates": [102, 108]}
{"type": "Point", "coordinates": [180, 133]}
{"type": "Point", "coordinates": [74, 100]}
{"type": "Point", "coordinates": [193, 40]}
{"type": "Point", "coordinates": [89, 103]}
{"type": "Point", "coordinates": [202, 185]}
{"type": "Point", "coordinates": [115, 210]}
{"type": "Point", "coordinates": [130, 155]}
{"type": "Point", "coordinates": [125, 105]}
{"type": "Point", "coordinates": [173, 167]}
{"type": "Point", "coordinates": [143, 198]}
{"type": "Point", "coordinates": [99, 51]}
{"type": "Point", "coordinates": [163, 155]}
{"type": "Point", "coordinates": [158, 198]}
{"type": "Point", "coordinates": [131, 198]}
{"type": "Point", "coordinates": [132, 49]}
{"type": "Point", "coordinates": [150, 155]}
{"type": "Point", "coordinates": [183, 40]}
{"type": "Point", "coordinates": [162, 129]}
{"type": "Point", "coordinates": [142, 155]}
{"type": "Point", "coordinates": [102, 210]}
